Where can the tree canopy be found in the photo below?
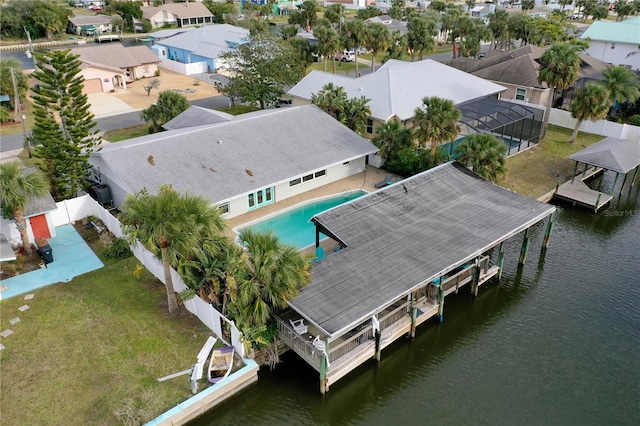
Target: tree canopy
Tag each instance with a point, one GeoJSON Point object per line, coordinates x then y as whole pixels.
{"type": "Point", "coordinates": [171, 226]}
{"type": "Point", "coordinates": [62, 131]}
{"type": "Point", "coordinates": [436, 122]}
{"type": "Point", "coordinates": [168, 106]}
{"type": "Point", "coordinates": [260, 69]}
{"type": "Point", "coordinates": [352, 112]}
{"type": "Point", "coordinates": [484, 153]}
{"type": "Point", "coordinates": [6, 81]}
{"type": "Point", "coordinates": [590, 102]}
{"type": "Point", "coordinates": [41, 18]}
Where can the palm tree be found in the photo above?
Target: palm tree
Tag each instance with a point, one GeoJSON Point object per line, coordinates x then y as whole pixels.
{"type": "Point", "coordinates": [436, 122]}
{"type": "Point", "coordinates": [17, 188]}
{"type": "Point", "coordinates": [622, 84]}
{"type": "Point", "coordinates": [210, 272]}
{"type": "Point", "coordinates": [559, 70]}
{"type": "Point", "coordinates": [331, 99]}
{"type": "Point", "coordinates": [379, 41]}
{"type": "Point", "coordinates": [485, 153]}
{"type": "Point", "coordinates": [591, 102]}
{"type": "Point", "coordinates": [328, 43]}
{"type": "Point", "coordinates": [356, 34]}
{"type": "Point", "coordinates": [355, 114]}
{"type": "Point", "coordinates": [391, 137]}
{"type": "Point", "coordinates": [273, 274]}
{"type": "Point", "coordinates": [169, 225]}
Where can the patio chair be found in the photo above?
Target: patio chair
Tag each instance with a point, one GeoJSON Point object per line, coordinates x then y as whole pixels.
{"type": "Point", "coordinates": [298, 326]}
{"type": "Point", "coordinates": [386, 182]}
{"type": "Point", "coordinates": [318, 344]}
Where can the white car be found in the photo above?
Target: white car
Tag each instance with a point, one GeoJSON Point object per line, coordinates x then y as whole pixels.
{"type": "Point", "coordinates": [578, 15]}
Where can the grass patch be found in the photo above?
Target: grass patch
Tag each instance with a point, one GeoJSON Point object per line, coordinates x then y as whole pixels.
{"type": "Point", "coordinates": [536, 171]}
{"type": "Point", "coordinates": [16, 128]}
{"type": "Point", "coordinates": [239, 109]}
{"type": "Point", "coordinates": [118, 135]}
{"type": "Point", "coordinates": [93, 348]}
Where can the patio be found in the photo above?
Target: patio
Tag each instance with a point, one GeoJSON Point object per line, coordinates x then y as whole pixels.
{"type": "Point", "coordinates": [71, 257]}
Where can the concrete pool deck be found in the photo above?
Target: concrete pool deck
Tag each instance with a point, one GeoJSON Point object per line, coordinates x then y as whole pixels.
{"type": "Point", "coordinates": [71, 257]}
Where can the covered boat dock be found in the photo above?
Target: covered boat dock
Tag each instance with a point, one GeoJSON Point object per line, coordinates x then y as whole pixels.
{"type": "Point", "coordinates": [618, 155]}
{"type": "Point", "coordinates": [401, 251]}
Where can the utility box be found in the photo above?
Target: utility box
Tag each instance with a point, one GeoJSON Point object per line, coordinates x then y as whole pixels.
{"type": "Point", "coordinates": [44, 249]}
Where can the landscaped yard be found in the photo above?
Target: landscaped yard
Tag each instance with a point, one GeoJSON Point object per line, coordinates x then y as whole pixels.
{"type": "Point", "coordinates": [537, 171]}
{"type": "Point", "coordinates": [89, 352]}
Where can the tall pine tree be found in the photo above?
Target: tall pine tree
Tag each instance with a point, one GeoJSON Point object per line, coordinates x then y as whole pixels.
{"type": "Point", "coordinates": [63, 129]}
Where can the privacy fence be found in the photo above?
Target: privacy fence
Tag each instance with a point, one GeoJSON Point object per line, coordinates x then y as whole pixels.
{"type": "Point", "coordinates": [79, 208]}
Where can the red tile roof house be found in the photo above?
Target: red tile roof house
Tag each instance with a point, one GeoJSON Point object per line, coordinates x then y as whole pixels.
{"type": "Point", "coordinates": [109, 66]}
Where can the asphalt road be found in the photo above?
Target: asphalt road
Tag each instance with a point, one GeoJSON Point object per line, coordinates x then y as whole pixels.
{"type": "Point", "coordinates": [12, 142]}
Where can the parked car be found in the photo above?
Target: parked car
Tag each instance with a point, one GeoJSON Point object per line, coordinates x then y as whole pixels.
{"type": "Point", "coordinates": [346, 56]}
{"type": "Point", "coordinates": [578, 15]}
{"type": "Point", "coordinates": [94, 8]}
{"type": "Point", "coordinates": [79, 4]}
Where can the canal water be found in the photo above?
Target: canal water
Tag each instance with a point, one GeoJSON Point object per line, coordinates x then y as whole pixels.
{"type": "Point", "coordinates": [554, 343]}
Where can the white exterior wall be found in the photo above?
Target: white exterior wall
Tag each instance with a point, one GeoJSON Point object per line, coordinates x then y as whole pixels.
{"type": "Point", "coordinates": [91, 73]}
{"type": "Point", "coordinates": [621, 54]}
{"type": "Point", "coordinates": [10, 230]}
{"type": "Point", "coordinates": [184, 69]}
{"type": "Point", "coordinates": [601, 127]}
{"type": "Point", "coordinates": [282, 191]}
{"type": "Point", "coordinates": [145, 70]}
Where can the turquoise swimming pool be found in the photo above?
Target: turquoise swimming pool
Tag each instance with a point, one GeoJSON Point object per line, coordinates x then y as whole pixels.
{"type": "Point", "coordinates": [293, 226]}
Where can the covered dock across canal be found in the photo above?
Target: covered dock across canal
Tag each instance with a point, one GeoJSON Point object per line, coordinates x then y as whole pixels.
{"type": "Point", "coordinates": [402, 250]}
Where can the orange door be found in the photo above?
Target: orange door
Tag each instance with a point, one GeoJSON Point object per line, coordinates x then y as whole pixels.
{"type": "Point", "coordinates": [39, 226]}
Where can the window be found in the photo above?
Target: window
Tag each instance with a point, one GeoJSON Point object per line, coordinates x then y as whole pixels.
{"type": "Point", "coordinates": [346, 163]}
{"type": "Point", "coordinates": [260, 198]}
{"type": "Point", "coordinates": [369, 126]}
{"type": "Point", "coordinates": [224, 208]}
{"type": "Point", "coordinates": [521, 94]}
{"type": "Point", "coordinates": [320, 173]}
{"type": "Point", "coordinates": [613, 45]}
{"type": "Point", "coordinates": [295, 182]}
{"type": "Point", "coordinates": [307, 178]}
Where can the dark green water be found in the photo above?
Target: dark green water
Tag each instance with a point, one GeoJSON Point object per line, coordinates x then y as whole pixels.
{"type": "Point", "coordinates": [556, 343]}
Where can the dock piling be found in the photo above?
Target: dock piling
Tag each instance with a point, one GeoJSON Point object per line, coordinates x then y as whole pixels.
{"type": "Point", "coordinates": [547, 234]}
{"type": "Point", "coordinates": [525, 247]}
{"type": "Point", "coordinates": [500, 259]}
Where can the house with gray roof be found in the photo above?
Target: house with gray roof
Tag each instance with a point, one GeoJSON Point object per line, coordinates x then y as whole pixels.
{"type": "Point", "coordinates": [397, 88]}
{"type": "Point", "coordinates": [389, 22]}
{"type": "Point", "coordinates": [107, 66]}
{"type": "Point", "coordinates": [239, 164]}
{"type": "Point", "coordinates": [90, 25]}
{"type": "Point", "coordinates": [203, 45]}
{"type": "Point", "coordinates": [196, 116]}
{"type": "Point", "coordinates": [186, 14]}
{"type": "Point", "coordinates": [517, 70]}
{"type": "Point", "coordinates": [616, 43]}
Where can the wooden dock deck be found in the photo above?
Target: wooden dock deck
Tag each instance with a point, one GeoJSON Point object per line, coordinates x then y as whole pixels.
{"type": "Point", "coordinates": [578, 193]}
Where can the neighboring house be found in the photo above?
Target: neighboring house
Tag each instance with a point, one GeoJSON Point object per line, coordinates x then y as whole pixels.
{"type": "Point", "coordinates": [187, 14]}
{"type": "Point", "coordinates": [241, 164]}
{"type": "Point", "coordinates": [392, 24]}
{"type": "Point", "coordinates": [40, 224]}
{"type": "Point", "coordinates": [617, 43]}
{"type": "Point", "coordinates": [90, 25]}
{"type": "Point", "coordinates": [108, 66]}
{"type": "Point", "coordinates": [196, 116]}
{"type": "Point", "coordinates": [204, 44]}
{"type": "Point", "coordinates": [396, 88]}
{"type": "Point", "coordinates": [517, 70]}
{"type": "Point", "coordinates": [536, 12]}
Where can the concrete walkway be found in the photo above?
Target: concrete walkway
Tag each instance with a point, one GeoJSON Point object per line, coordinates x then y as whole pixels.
{"type": "Point", "coordinates": [71, 257]}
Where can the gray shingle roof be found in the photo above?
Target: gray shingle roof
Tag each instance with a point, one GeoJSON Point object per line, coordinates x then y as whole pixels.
{"type": "Point", "coordinates": [406, 235]}
{"type": "Point", "coordinates": [619, 155]}
{"type": "Point", "coordinates": [519, 66]}
{"type": "Point", "coordinates": [397, 87]}
{"type": "Point", "coordinates": [91, 20]}
{"type": "Point", "coordinates": [116, 55]}
{"type": "Point", "coordinates": [212, 161]}
{"type": "Point", "coordinates": [209, 41]}
{"type": "Point", "coordinates": [196, 116]}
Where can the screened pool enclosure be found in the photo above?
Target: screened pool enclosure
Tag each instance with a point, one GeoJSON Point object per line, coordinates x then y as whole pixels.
{"type": "Point", "coordinates": [518, 125]}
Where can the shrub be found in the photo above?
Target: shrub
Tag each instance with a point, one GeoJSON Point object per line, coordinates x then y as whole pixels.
{"type": "Point", "coordinates": [118, 249]}
{"type": "Point", "coordinates": [410, 161]}
{"type": "Point", "coordinates": [634, 120]}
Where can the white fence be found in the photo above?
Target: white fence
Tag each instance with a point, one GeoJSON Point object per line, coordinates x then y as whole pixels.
{"type": "Point", "coordinates": [184, 69]}
{"type": "Point", "coordinates": [601, 127]}
{"type": "Point", "coordinates": [81, 207]}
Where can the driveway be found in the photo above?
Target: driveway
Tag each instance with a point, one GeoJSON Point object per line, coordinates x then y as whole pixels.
{"type": "Point", "coordinates": [106, 104]}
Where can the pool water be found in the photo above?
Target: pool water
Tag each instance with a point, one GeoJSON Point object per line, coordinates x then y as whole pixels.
{"type": "Point", "coordinates": [293, 226]}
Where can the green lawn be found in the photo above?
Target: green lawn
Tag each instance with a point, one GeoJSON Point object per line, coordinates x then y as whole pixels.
{"type": "Point", "coordinates": [118, 135]}
{"type": "Point", "coordinates": [94, 347]}
{"type": "Point", "coordinates": [537, 171]}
